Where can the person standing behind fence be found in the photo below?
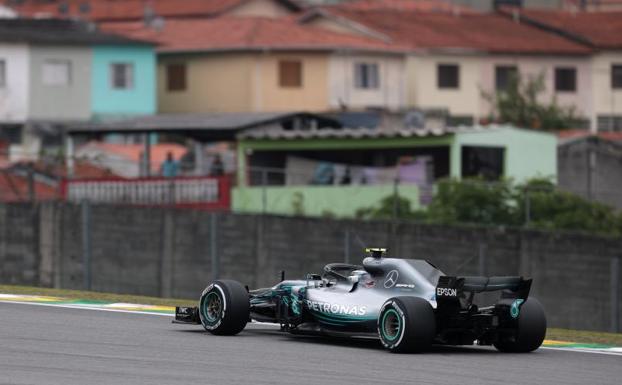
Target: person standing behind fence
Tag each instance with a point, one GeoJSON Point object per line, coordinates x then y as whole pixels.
{"type": "Point", "coordinates": [217, 168]}
{"type": "Point", "coordinates": [170, 167]}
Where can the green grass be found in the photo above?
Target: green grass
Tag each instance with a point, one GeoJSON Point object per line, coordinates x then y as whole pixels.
{"type": "Point", "coordinates": [96, 296]}
{"type": "Point", "coordinates": [580, 336]}
{"type": "Point", "coordinates": [584, 336]}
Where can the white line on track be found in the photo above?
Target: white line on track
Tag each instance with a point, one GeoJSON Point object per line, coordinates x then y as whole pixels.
{"type": "Point", "coordinates": [616, 352]}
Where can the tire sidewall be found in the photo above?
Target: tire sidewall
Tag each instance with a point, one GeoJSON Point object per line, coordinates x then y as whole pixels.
{"type": "Point", "coordinates": [218, 289]}
{"type": "Point", "coordinates": [398, 307]}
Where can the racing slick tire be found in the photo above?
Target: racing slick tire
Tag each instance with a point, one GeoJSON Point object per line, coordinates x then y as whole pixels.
{"type": "Point", "coordinates": [224, 307]}
{"type": "Point", "coordinates": [406, 324]}
{"type": "Point", "coordinates": [530, 330]}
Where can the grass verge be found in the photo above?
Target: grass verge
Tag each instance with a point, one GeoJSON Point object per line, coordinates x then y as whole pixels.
{"type": "Point", "coordinates": [96, 296]}
{"type": "Point", "coordinates": [580, 336]}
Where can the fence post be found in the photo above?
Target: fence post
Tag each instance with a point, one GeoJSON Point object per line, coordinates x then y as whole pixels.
{"type": "Point", "coordinates": [86, 243]}
{"type": "Point", "coordinates": [213, 224]}
{"type": "Point", "coordinates": [264, 193]}
{"type": "Point", "coordinates": [615, 294]}
{"type": "Point", "coordinates": [527, 208]}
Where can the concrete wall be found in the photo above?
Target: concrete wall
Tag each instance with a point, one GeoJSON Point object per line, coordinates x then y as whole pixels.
{"type": "Point", "coordinates": [597, 176]}
{"type": "Point", "coordinates": [176, 253]}
{"type": "Point", "coordinates": [137, 100]}
{"type": "Point", "coordinates": [70, 102]}
{"type": "Point", "coordinates": [14, 94]}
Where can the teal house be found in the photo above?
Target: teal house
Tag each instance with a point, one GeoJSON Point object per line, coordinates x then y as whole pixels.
{"type": "Point", "coordinates": [123, 80]}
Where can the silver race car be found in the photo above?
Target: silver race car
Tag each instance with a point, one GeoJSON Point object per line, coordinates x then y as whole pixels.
{"type": "Point", "coordinates": [408, 304]}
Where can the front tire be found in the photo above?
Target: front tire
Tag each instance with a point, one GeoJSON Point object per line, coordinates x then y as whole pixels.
{"type": "Point", "coordinates": [406, 324]}
{"type": "Point", "coordinates": [224, 307]}
{"type": "Point", "coordinates": [530, 330]}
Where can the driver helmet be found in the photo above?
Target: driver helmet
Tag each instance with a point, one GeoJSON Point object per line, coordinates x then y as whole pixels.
{"type": "Point", "coordinates": [359, 276]}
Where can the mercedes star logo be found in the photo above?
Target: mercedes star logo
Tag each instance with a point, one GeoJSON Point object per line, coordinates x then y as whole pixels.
{"type": "Point", "coordinates": [391, 279]}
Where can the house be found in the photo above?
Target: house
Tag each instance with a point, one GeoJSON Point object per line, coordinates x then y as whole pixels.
{"type": "Point", "coordinates": [57, 71]}
{"type": "Point", "coordinates": [602, 31]}
{"type": "Point", "coordinates": [151, 10]}
{"type": "Point", "coordinates": [259, 64]}
{"type": "Point", "coordinates": [282, 172]}
{"type": "Point", "coordinates": [591, 166]}
{"type": "Point", "coordinates": [454, 60]}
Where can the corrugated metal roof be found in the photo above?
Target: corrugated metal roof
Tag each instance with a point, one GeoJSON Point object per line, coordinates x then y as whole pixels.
{"type": "Point", "coordinates": [274, 133]}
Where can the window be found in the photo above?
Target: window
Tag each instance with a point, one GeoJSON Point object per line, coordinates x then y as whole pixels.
{"type": "Point", "coordinates": [56, 73]}
{"type": "Point", "coordinates": [565, 79]}
{"type": "Point", "coordinates": [121, 76]}
{"type": "Point", "coordinates": [2, 73]}
{"type": "Point", "coordinates": [290, 73]}
{"type": "Point", "coordinates": [616, 76]}
{"type": "Point", "coordinates": [11, 133]}
{"type": "Point", "coordinates": [485, 162]}
{"type": "Point", "coordinates": [176, 77]}
{"type": "Point", "coordinates": [366, 75]}
{"type": "Point", "coordinates": [448, 76]}
{"type": "Point", "coordinates": [504, 75]}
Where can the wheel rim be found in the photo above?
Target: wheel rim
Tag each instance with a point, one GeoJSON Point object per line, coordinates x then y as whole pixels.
{"type": "Point", "coordinates": [391, 325]}
{"type": "Point", "coordinates": [212, 307]}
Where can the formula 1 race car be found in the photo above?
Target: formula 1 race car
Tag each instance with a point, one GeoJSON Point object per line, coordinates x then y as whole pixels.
{"type": "Point", "coordinates": [408, 304]}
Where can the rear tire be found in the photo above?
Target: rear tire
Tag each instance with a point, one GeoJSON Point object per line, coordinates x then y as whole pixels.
{"type": "Point", "coordinates": [406, 324]}
{"type": "Point", "coordinates": [224, 307]}
{"type": "Point", "coordinates": [530, 330]}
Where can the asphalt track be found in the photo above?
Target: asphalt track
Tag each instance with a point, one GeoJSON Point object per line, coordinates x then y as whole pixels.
{"type": "Point", "coordinates": [48, 345]}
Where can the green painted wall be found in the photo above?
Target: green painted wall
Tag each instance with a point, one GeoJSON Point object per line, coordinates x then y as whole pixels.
{"type": "Point", "coordinates": [528, 153]}
{"type": "Point", "coordinates": [342, 201]}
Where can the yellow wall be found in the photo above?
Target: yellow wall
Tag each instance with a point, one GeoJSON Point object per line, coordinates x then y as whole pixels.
{"type": "Point", "coordinates": [238, 82]}
{"type": "Point", "coordinates": [312, 96]}
{"type": "Point", "coordinates": [215, 83]}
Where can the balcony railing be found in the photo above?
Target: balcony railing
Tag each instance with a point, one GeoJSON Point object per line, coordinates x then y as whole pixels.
{"type": "Point", "coordinates": [196, 192]}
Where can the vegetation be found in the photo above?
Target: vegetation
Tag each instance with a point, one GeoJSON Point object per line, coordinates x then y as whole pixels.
{"type": "Point", "coordinates": [95, 296]}
{"type": "Point", "coordinates": [536, 203]}
{"type": "Point", "coordinates": [520, 104]}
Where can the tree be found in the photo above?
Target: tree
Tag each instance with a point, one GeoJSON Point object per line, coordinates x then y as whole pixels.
{"type": "Point", "coordinates": [519, 104]}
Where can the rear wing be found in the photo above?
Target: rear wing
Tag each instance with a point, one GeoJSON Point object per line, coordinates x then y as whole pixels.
{"type": "Point", "coordinates": [453, 289]}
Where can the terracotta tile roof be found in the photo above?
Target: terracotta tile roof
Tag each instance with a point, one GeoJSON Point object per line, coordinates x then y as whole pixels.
{"type": "Point", "coordinates": [600, 29]}
{"type": "Point", "coordinates": [481, 32]}
{"type": "Point", "coordinates": [58, 170]}
{"type": "Point", "coordinates": [245, 33]}
{"type": "Point", "coordinates": [133, 152]}
{"type": "Point", "coordinates": [14, 188]}
{"type": "Point", "coordinates": [402, 5]}
{"type": "Point", "coordinates": [109, 10]}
